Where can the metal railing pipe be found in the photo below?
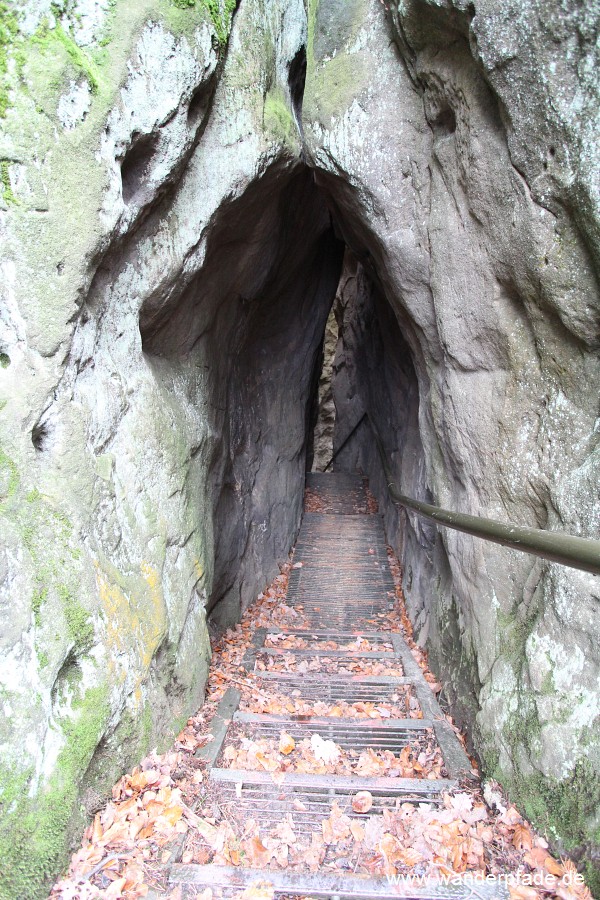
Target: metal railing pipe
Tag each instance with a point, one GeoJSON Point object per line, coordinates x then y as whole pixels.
{"type": "Point", "coordinates": [566, 549]}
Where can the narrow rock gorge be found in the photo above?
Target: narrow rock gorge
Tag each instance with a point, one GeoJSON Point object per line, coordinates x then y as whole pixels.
{"type": "Point", "coordinates": [186, 188]}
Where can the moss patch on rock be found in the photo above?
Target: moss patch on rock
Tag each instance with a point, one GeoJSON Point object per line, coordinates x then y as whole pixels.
{"type": "Point", "coordinates": [35, 832]}
{"type": "Point", "coordinates": [333, 85]}
{"type": "Point", "coordinates": [566, 812]}
{"type": "Point", "coordinates": [9, 28]}
{"type": "Point", "coordinates": [221, 14]}
{"type": "Point", "coordinates": [279, 121]}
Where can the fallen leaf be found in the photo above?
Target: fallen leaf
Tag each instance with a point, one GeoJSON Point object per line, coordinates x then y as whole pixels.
{"type": "Point", "coordinates": [522, 892]}
{"type": "Point", "coordinates": [269, 764]}
{"type": "Point", "coordinates": [362, 802]}
{"type": "Point", "coordinates": [358, 832]}
{"type": "Point", "coordinates": [409, 857]}
{"type": "Point", "coordinates": [522, 839]}
{"type": "Point", "coordinates": [286, 743]}
{"type": "Point", "coordinates": [114, 891]}
{"type": "Point", "coordinates": [259, 890]}
{"type": "Point", "coordinates": [327, 751]}
{"type": "Point", "coordinates": [552, 866]}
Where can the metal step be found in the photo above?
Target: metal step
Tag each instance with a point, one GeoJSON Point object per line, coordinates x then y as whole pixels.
{"type": "Point", "coordinates": [352, 734]}
{"type": "Point", "coordinates": [339, 494]}
{"type": "Point", "coordinates": [343, 588]}
{"type": "Point", "coordinates": [331, 885]}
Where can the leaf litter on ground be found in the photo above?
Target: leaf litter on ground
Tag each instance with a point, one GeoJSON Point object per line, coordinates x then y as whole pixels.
{"type": "Point", "coordinates": [167, 800]}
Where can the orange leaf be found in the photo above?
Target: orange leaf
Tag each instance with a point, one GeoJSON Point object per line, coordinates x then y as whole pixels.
{"type": "Point", "coordinates": [522, 892]}
{"type": "Point", "coordinates": [410, 857]}
{"type": "Point", "coordinates": [269, 764]}
{"type": "Point", "coordinates": [327, 831]}
{"type": "Point", "coordinates": [362, 802]}
{"type": "Point", "coordinates": [113, 891]}
{"type": "Point", "coordinates": [553, 867]}
{"type": "Point", "coordinates": [286, 743]}
{"type": "Point", "coordinates": [173, 814]}
{"type": "Point", "coordinates": [537, 857]}
{"type": "Point", "coordinates": [522, 838]}
{"type": "Point", "coordinates": [257, 852]}
{"type": "Point", "coordinates": [358, 832]}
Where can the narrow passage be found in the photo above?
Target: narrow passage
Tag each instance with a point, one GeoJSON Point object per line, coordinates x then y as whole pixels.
{"type": "Point", "coordinates": [328, 768]}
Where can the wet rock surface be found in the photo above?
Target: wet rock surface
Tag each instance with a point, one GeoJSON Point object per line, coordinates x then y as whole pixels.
{"type": "Point", "coordinates": [175, 205]}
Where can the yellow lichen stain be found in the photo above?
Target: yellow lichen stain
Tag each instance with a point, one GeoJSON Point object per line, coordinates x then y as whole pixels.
{"type": "Point", "coordinates": [135, 623]}
{"type": "Point", "coordinates": [199, 569]}
{"type": "Point", "coordinates": [156, 623]}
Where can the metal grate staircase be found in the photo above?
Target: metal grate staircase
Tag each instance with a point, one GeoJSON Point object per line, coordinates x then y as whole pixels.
{"type": "Point", "coordinates": [343, 590]}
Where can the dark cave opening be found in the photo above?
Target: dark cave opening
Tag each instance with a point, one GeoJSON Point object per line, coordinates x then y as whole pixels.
{"type": "Point", "coordinates": [248, 332]}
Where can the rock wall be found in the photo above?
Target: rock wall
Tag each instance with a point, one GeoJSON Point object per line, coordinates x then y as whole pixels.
{"type": "Point", "coordinates": [167, 269]}
{"type": "Point", "coordinates": [452, 141]}
{"type": "Point", "coordinates": [174, 211]}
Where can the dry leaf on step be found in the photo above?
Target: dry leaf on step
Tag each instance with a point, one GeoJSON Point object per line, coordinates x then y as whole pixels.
{"type": "Point", "coordinates": [358, 832]}
{"type": "Point", "coordinates": [409, 857]}
{"type": "Point", "coordinates": [260, 890]}
{"type": "Point", "coordinates": [258, 854]}
{"type": "Point", "coordinates": [286, 743]}
{"type": "Point", "coordinates": [362, 802]}
{"type": "Point", "coordinates": [326, 751]}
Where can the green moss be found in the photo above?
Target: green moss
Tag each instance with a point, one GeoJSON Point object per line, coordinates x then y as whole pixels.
{"type": "Point", "coordinates": [56, 573]}
{"type": "Point", "coordinates": [333, 86]}
{"type": "Point", "coordinates": [77, 618]}
{"type": "Point", "coordinates": [37, 600]}
{"type": "Point", "coordinates": [9, 477]}
{"type": "Point", "coordinates": [48, 38]}
{"type": "Point", "coordinates": [566, 812]}
{"type": "Point", "coordinates": [278, 119]}
{"type": "Point", "coordinates": [35, 832]}
{"type": "Point", "coordinates": [220, 12]}
{"type": "Point", "coordinates": [547, 685]}
{"type": "Point", "coordinates": [8, 197]}
{"type": "Point", "coordinates": [563, 809]}
{"type": "Point", "coordinates": [9, 29]}
{"type": "Point", "coordinates": [313, 8]}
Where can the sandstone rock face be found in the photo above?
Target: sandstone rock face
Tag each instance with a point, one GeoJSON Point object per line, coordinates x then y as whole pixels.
{"type": "Point", "coordinates": [168, 267]}
{"type": "Point", "coordinates": [459, 163]}
{"type": "Point", "coordinates": [174, 209]}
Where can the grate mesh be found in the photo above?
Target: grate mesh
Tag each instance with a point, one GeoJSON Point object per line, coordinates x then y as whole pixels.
{"type": "Point", "coordinates": [340, 495]}
{"type": "Point", "coordinates": [308, 806]}
{"type": "Point", "coordinates": [342, 588]}
{"type": "Point", "coordinates": [333, 688]}
{"type": "Point", "coordinates": [350, 734]}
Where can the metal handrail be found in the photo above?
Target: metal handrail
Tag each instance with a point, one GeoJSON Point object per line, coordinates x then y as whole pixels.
{"type": "Point", "coordinates": [566, 549]}
{"type": "Point", "coordinates": [345, 441]}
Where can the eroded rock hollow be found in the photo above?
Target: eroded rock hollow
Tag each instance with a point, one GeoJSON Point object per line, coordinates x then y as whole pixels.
{"type": "Point", "coordinates": [181, 201]}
